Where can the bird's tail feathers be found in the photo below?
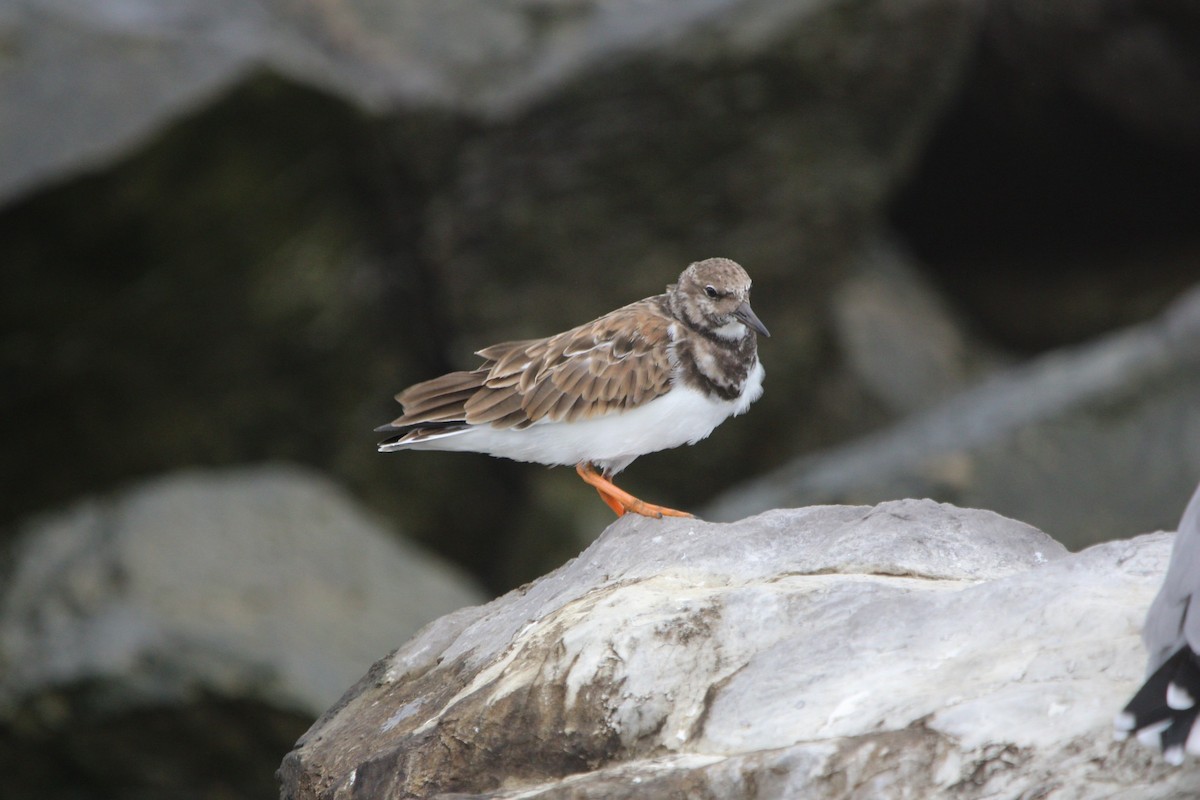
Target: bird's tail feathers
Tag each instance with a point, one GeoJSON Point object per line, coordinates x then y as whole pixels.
{"type": "Point", "coordinates": [1164, 711]}
{"type": "Point", "coordinates": [401, 437]}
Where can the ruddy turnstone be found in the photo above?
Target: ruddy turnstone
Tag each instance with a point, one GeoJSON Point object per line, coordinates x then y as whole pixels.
{"type": "Point", "coordinates": [655, 374]}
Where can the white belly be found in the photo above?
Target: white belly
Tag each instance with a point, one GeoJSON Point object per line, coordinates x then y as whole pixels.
{"type": "Point", "coordinates": [681, 416]}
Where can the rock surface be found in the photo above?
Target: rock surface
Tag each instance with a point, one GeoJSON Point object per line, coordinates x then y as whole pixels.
{"type": "Point", "coordinates": [1028, 441]}
{"type": "Point", "coordinates": [899, 337]}
{"type": "Point", "coordinates": [909, 650]}
{"type": "Point", "coordinates": [142, 636]}
{"type": "Point", "coordinates": [475, 57]}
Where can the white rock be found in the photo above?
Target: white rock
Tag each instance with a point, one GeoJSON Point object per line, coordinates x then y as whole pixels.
{"type": "Point", "coordinates": [258, 583]}
{"type": "Point", "coordinates": [907, 650]}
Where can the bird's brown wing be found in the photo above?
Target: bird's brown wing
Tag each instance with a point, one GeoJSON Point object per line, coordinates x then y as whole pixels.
{"type": "Point", "coordinates": [439, 400]}
{"type": "Point", "coordinates": [616, 362]}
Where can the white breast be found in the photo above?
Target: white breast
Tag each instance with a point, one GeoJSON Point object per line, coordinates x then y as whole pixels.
{"type": "Point", "coordinates": [681, 416]}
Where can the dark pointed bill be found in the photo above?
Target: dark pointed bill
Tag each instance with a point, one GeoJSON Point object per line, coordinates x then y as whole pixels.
{"type": "Point", "coordinates": [746, 314]}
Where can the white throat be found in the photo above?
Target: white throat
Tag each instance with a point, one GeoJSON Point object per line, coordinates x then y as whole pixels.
{"type": "Point", "coordinates": [731, 331]}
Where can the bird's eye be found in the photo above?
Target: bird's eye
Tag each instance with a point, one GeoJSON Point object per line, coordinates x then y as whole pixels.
{"type": "Point", "coordinates": [711, 291]}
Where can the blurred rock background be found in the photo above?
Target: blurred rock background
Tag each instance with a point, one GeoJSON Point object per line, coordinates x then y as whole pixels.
{"type": "Point", "coordinates": [230, 232]}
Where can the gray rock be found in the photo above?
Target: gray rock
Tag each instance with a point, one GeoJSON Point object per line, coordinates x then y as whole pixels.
{"type": "Point", "coordinates": [899, 337]}
{"type": "Point", "coordinates": [259, 588]}
{"type": "Point", "coordinates": [85, 83]}
{"type": "Point", "coordinates": [907, 650]}
{"type": "Point", "coordinates": [89, 81]}
{"type": "Point", "coordinates": [1086, 443]}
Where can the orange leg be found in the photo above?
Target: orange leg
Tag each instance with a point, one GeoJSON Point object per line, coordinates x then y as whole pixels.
{"type": "Point", "coordinates": [620, 500]}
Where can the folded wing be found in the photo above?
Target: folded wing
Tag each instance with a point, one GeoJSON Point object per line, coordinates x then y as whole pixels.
{"type": "Point", "coordinates": [616, 362]}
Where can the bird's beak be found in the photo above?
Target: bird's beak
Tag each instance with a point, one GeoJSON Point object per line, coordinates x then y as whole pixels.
{"type": "Point", "coordinates": [746, 314]}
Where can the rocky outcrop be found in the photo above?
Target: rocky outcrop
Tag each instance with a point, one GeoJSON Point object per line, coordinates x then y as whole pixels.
{"type": "Point", "coordinates": [231, 231]}
{"type": "Point", "coordinates": [1027, 441]}
{"type": "Point", "coordinates": [907, 650]}
{"type": "Point", "coordinates": [201, 619]}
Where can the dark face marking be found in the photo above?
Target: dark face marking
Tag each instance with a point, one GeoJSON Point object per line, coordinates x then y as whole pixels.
{"type": "Point", "coordinates": [711, 295]}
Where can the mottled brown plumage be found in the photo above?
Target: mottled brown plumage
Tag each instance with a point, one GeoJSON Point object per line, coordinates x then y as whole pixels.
{"type": "Point", "coordinates": [696, 340]}
{"type": "Point", "coordinates": [607, 365]}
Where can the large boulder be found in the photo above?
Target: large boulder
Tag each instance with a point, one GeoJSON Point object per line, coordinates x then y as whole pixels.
{"type": "Point", "coordinates": [1088, 443]}
{"type": "Point", "coordinates": [909, 650]}
{"type": "Point", "coordinates": [482, 59]}
{"type": "Point", "coordinates": [144, 636]}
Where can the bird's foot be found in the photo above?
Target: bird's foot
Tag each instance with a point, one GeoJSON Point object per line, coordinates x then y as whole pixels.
{"type": "Point", "coordinates": [621, 501]}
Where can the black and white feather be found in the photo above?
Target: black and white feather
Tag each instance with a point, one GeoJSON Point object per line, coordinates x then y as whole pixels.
{"type": "Point", "coordinates": [1163, 712]}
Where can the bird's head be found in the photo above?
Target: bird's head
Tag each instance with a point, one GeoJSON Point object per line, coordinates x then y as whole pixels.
{"type": "Point", "coordinates": [713, 295]}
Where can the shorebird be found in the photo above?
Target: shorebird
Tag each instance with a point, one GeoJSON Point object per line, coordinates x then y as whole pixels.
{"type": "Point", "coordinates": [1163, 712]}
{"type": "Point", "coordinates": [655, 374]}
